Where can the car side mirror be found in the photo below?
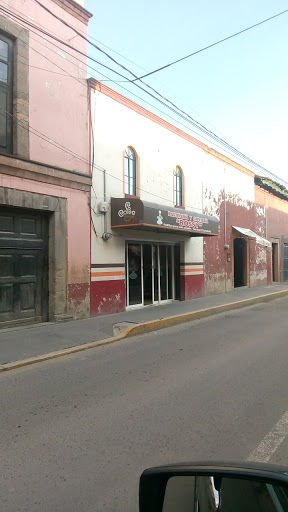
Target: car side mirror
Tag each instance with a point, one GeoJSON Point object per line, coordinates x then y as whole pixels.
{"type": "Point", "coordinates": [211, 487]}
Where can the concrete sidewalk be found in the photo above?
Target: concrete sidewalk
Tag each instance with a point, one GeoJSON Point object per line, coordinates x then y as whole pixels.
{"type": "Point", "coordinates": [24, 345]}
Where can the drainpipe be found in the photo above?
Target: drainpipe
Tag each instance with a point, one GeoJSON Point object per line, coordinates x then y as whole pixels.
{"type": "Point", "coordinates": [266, 220]}
{"type": "Point", "coordinates": [226, 247]}
{"type": "Point", "coordinates": [104, 207]}
{"type": "Point", "coordinates": [104, 197]}
{"type": "Point", "coordinates": [225, 211]}
{"type": "Point", "coordinates": [266, 236]}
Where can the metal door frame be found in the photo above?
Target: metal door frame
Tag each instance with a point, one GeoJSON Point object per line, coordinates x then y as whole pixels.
{"type": "Point", "coordinates": [157, 262]}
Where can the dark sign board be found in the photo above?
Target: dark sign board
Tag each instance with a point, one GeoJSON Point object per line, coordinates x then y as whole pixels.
{"type": "Point", "coordinates": [134, 213]}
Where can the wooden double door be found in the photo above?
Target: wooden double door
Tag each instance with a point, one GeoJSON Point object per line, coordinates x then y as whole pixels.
{"type": "Point", "coordinates": [23, 266]}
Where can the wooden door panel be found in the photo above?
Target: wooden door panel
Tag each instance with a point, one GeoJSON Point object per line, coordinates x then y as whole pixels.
{"type": "Point", "coordinates": [23, 266]}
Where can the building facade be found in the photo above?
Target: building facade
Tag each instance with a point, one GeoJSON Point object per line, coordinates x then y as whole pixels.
{"type": "Point", "coordinates": [148, 223]}
{"type": "Point", "coordinates": [173, 219]}
{"type": "Point", "coordinates": [242, 251]}
{"type": "Point", "coordinates": [273, 198]}
{"type": "Point", "coordinates": [44, 162]}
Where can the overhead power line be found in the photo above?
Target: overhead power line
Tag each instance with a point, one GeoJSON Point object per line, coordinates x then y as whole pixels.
{"type": "Point", "coordinates": [210, 46]}
{"type": "Point", "coordinates": [105, 76]}
{"type": "Point", "coordinates": [56, 144]}
{"type": "Point", "coordinates": [189, 129]}
{"type": "Point", "coordinates": [179, 112]}
{"type": "Point", "coordinates": [116, 82]}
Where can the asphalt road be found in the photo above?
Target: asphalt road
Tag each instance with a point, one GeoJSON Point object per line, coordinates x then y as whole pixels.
{"type": "Point", "coordinates": [76, 432]}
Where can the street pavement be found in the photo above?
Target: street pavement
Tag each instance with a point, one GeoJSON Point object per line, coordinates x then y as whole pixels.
{"type": "Point", "coordinates": [27, 344]}
{"type": "Point", "coordinates": [77, 431]}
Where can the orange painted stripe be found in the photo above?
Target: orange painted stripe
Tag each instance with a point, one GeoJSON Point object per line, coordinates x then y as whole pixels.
{"type": "Point", "coordinates": [192, 269]}
{"type": "Point", "coordinates": [103, 274]}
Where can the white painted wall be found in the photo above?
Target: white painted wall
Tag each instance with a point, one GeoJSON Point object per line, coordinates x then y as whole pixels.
{"type": "Point", "coordinates": [219, 176]}
{"type": "Point", "coordinates": [159, 152]}
{"type": "Point", "coordinates": [206, 176]}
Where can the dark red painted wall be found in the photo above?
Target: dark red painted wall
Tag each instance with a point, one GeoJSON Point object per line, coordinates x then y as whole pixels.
{"type": "Point", "coordinates": [107, 297]}
{"type": "Point", "coordinates": [219, 262]}
{"type": "Point", "coordinates": [277, 221]}
{"type": "Point", "coordinates": [191, 287]}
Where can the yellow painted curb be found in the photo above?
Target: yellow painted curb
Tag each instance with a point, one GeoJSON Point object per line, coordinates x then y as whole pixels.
{"type": "Point", "coordinates": [59, 353]}
{"type": "Point", "coordinates": [145, 327]}
{"type": "Point", "coordinates": [201, 313]}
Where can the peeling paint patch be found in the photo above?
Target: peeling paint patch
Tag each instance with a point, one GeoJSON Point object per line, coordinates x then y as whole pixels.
{"type": "Point", "coordinates": [260, 210]}
{"type": "Point", "coordinates": [111, 301]}
{"type": "Point", "coordinates": [79, 300]}
{"type": "Point", "coordinates": [258, 278]}
{"type": "Point", "coordinates": [219, 262]}
{"type": "Point", "coordinates": [237, 200]}
{"type": "Point", "coordinates": [107, 297]}
{"type": "Point", "coordinates": [261, 256]}
{"type": "Point", "coordinates": [216, 284]}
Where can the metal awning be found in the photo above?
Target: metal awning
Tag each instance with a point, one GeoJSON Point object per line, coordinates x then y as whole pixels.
{"type": "Point", "coordinates": [250, 234]}
{"type": "Point", "coordinates": [133, 213]}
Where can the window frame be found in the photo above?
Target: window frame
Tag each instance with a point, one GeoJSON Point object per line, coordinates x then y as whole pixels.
{"type": "Point", "coordinates": [20, 97]}
{"type": "Point", "coordinates": [178, 187]}
{"type": "Point", "coordinates": [130, 172]}
{"type": "Point", "coordinates": [6, 88]}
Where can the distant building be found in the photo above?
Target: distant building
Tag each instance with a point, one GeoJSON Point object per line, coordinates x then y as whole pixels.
{"type": "Point", "coordinates": [273, 198]}
{"type": "Point", "coordinates": [44, 162]}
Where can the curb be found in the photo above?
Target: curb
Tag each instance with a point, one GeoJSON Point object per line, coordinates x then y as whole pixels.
{"type": "Point", "coordinates": [145, 327]}
{"type": "Point", "coordinates": [201, 313]}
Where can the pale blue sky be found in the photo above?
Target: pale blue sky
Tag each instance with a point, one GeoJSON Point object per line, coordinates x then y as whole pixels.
{"type": "Point", "coordinates": [238, 89]}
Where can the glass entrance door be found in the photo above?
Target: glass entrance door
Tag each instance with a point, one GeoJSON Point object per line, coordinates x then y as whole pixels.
{"type": "Point", "coordinates": [166, 259]}
{"type": "Point", "coordinates": [156, 275]}
{"type": "Point", "coordinates": [134, 274]}
{"type": "Point", "coordinates": [148, 273]}
{"type": "Point", "coordinates": [151, 273]}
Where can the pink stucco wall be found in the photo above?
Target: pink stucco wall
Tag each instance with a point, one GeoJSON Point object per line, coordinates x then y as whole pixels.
{"type": "Point", "coordinates": [57, 86]}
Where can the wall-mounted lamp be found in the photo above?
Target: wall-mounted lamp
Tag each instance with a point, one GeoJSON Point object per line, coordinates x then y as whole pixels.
{"type": "Point", "coordinates": [226, 247]}
{"type": "Point", "coordinates": [106, 236]}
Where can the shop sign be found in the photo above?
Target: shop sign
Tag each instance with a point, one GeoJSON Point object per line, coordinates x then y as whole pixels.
{"type": "Point", "coordinates": [127, 214]}
{"type": "Point", "coordinates": [136, 213]}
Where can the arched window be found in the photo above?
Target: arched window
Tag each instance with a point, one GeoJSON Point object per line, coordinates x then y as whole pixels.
{"type": "Point", "coordinates": [178, 187]}
{"type": "Point", "coordinates": [130, 172]}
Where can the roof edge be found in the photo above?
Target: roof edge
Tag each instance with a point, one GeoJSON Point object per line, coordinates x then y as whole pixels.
{"type": "Point", "coordinates": [275, 188]}
{"type": "Point", "coordinates": [117, 96]}
{"type": "Point", "coordinates": [75, 10]}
